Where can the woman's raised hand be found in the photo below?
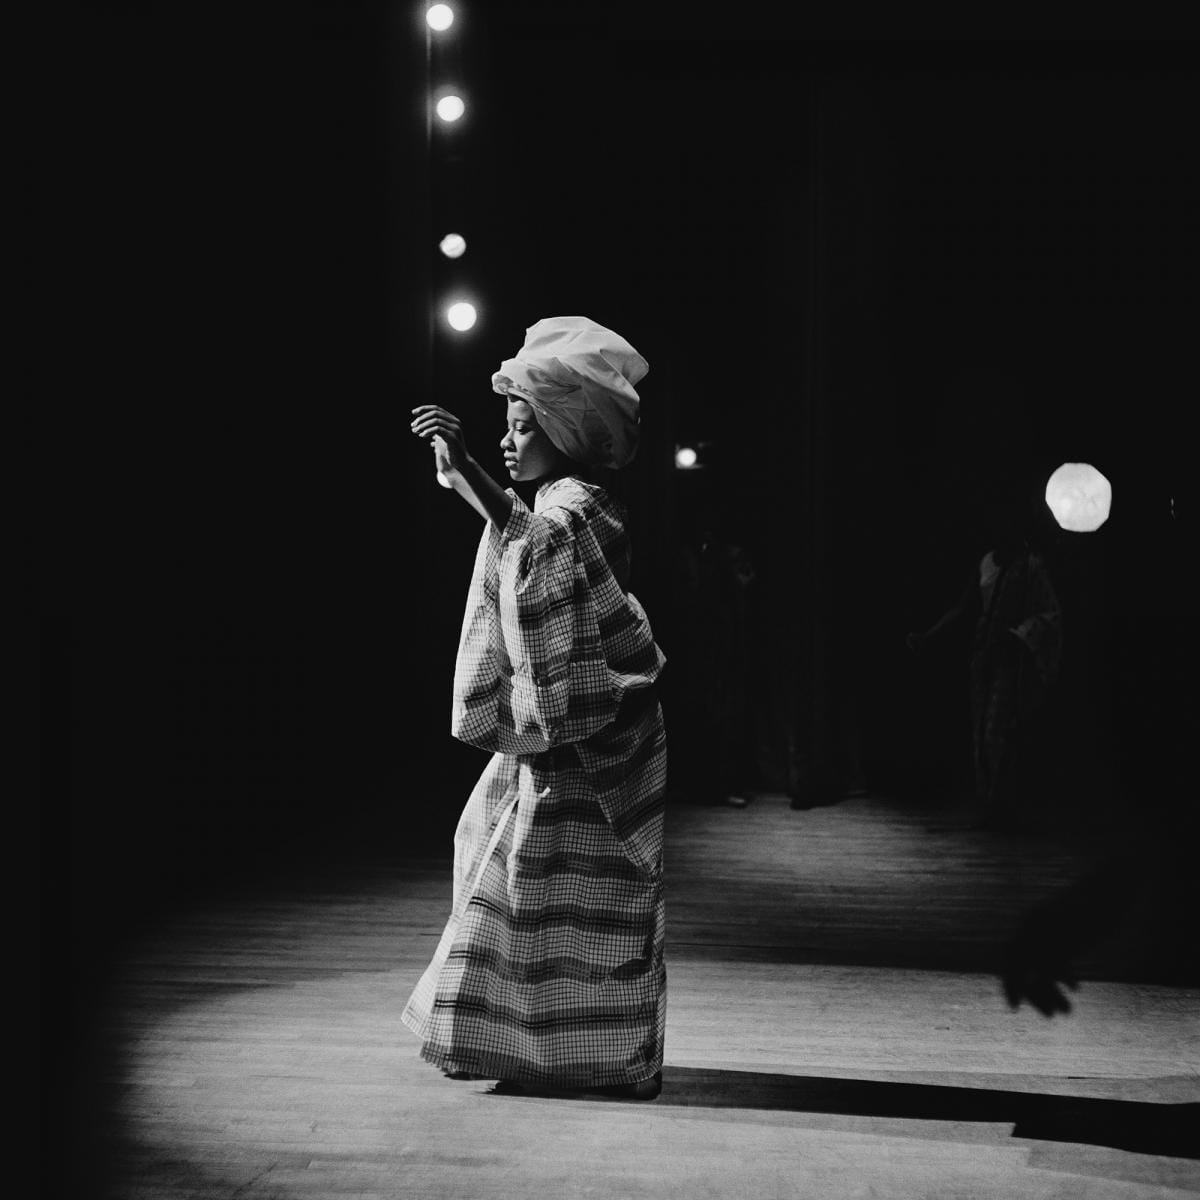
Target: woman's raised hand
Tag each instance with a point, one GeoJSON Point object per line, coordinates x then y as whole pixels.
{"type": "Point", "coordinates": [444, 429]}
{"type": "Point", "coordinates": [456, 466]}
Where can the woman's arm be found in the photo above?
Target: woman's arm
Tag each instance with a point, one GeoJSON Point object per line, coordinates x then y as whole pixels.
{"type": "Point", "coordinates": [457, 467]}
{"type": "Point", "coordinates": [916, 641]}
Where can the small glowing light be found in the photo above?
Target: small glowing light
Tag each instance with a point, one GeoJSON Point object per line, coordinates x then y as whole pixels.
{"type": "Point", "coordinates": [451, 107]}
{"type": "Point", "coordinates": [1079, 497]}
{"type": "Point", "coordinates": [686, 457]}
{"type": "Point", "coordinates": [453, 245]}
{"type": "Point", "coordinates": [443, 480]}
{"type": "Point", "coordinates": [440, 17]}
{"type": "Point", "coordinates": [461, 315]}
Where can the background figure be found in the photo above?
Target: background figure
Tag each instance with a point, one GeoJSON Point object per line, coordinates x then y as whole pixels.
{"type": "Point", "coordinates": [1015, 654]}
{"type": "Point", "coordinates": [710, 670]}
{"type": "Point", "coordinates": [1140, 897]}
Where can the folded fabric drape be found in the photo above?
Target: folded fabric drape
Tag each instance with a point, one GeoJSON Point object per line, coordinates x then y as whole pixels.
{"type": "Point", "coordinates": [579, 379]}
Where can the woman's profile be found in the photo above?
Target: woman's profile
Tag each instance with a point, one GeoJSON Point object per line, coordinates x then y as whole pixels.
{"type": "Point", "coordinates": [550, 970]}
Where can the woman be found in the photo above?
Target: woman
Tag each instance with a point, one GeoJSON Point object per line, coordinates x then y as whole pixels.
{"type": "Point", "coordinates": [1015, 653]}
{"type": "Point", "coordinates": [550, 970]}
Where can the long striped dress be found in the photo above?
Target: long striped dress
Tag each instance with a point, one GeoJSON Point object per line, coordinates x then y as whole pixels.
{"type": "Point", "coordinates": [550, 969]}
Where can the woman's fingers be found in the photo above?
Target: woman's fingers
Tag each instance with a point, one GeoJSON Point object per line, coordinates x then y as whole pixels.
{"type": "Point", "coordinates": [428, 409]}
{"type": "Point", "coordinates": [431, 412]}
{"type": "Point", "coordinates": [429, 425]}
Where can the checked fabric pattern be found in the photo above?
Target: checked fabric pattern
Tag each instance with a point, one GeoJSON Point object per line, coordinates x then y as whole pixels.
{"type": "Point", "coordinates": [550, 968]}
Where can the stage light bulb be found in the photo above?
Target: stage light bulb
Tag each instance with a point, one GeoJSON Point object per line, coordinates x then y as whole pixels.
{"type": "Point", "coordinates": [686, 457]}
{"type": "Point", "coordinates": [453, 245]}
{"type": "Point", "coordinates": [1079, 497]}
{"type": "Point", "coordinates": [461, 316]}
{"type": "Point", "coordinates": [450, 108]}
{"type": "Point", "coordinates": [439, 17]}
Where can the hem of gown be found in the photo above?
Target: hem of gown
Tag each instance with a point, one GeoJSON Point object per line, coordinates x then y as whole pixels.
{"type": "Point", "coordinates": [517, 1071]}
{"type": "Point", "coordinates": [491, 1066]}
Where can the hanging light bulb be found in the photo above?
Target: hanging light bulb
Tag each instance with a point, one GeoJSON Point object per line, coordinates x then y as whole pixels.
{"type": "Point", "coordinates": [453, 245]}
{"type": "Point", "coordinates": [439, 17]}
{"type": "Point", "coordinates": [450, 108]}
{"type": "Point", "coordinates": [461, 315]}
{"type": "Point", "coordinates": [1079, 497]}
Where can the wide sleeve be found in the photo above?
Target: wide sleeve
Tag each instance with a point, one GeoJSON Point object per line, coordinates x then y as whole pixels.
{"type": "Point", "coordinates": [531, 671]}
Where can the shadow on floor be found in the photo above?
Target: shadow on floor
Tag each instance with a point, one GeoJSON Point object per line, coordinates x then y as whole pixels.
{"type": "Point", "coordinates": [1163, 1129]}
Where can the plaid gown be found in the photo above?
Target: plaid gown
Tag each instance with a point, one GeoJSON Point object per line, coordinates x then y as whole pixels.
{"type": "Point", "coordinates": [550, 968]}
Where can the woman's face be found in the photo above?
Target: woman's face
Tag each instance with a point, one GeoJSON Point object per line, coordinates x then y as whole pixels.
{"type": "Point", "coordinates": [529, 454]}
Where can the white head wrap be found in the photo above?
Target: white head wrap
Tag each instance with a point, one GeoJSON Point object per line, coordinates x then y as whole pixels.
{"type": "Point", "coordinates": [578, 378]}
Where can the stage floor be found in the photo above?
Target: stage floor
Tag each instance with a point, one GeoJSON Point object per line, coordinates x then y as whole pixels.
{"type": "Point", "coordinates": [834, 1030]}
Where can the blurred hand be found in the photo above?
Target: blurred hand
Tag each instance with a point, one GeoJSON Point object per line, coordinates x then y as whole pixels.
{"type": "Point", "coordinates": [1037, 960]}
{"type": "Point", "coordinates": [1031, 975]}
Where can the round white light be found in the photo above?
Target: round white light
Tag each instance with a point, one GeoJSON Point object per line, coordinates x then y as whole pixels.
{"type": "Point", "coordinates": [453, 245]}
{"type": "Point", "coordinates": [461, 316]}
{"type": "Point", "coordinates": [450, 108]}
{"type": "Point", "coordinates": [440, 17]}
{"type": "Point", "coordinates": [685, 457]}
{"type": "Point", "coordinates": [1079, 497]}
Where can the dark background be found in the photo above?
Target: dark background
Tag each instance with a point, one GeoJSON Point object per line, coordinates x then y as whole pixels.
{"type": "Point", "coordinates": [873, 276]}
